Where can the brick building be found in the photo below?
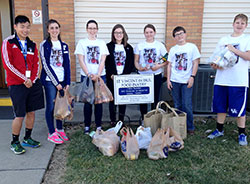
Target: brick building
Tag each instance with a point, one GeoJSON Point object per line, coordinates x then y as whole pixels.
{"type": "Point", "coordinates": [204, 20]}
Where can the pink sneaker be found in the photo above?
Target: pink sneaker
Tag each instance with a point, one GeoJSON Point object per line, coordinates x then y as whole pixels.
{"type": "Point", "coordinates": [62, 135]}
{"type": "Point", "coordinates": [55, 138]}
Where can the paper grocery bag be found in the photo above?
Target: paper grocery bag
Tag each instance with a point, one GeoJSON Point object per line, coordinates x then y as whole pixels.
{"type": "Point", "coordinates": [153, 118]}
{"type": "Point", "coordinates": [175, 119]}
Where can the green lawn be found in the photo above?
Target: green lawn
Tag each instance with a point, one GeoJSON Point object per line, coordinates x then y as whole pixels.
{"type": "Point", "coordinates": [220, 161]}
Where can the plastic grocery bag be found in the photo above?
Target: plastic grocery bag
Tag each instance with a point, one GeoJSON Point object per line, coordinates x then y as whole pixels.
{"type": "Point", "coordinates": [116, 128]}
{"type": "Point", "coordinates": [143, 136]}
{"type": "Point", "coordinates": [174, 140]}
{"type": "Point", "coordinates": [62, 107]}
{"type": "Point", "coordinates": [107, 142]}
{"type": "Point", "coordinates": [85, 91]}
{"type": "Point", "coordinates": [129, 144]}
{"type": "Point", "coordinates": [158, 146]}
{"type": "Point", "coordinates": [102, 92]}
{"type": "Point", "coordinates": [71, 102]}
{"type": "Point", "coordinates": [223, 57]}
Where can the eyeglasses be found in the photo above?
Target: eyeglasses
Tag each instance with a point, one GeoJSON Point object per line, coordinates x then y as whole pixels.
{"type": "Point", "coordinates": [92, 28]}
{"type": "Point", "coordinates": [179, 34]}
{"type": "Point", "coordinates": [118, 33]}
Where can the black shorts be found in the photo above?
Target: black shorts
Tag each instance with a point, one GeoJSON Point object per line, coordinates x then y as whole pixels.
{"type": "Point", "coordinates": [26, 99]}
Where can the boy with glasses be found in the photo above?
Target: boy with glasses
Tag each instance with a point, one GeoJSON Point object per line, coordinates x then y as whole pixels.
{"type": "Point", "coordinates": [183, 65]}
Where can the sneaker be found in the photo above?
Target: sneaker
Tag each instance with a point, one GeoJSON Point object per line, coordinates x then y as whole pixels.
{"type": "Point", "coordinates": [55, 138]}
{"type": "Point", "coordinates": [86, 130]}
{"type": "Point", "coordinates": [242, 139]}
{"type": "Point", "coordinates": [31, 143]}
{"type": "Point", "coordinates": [215, 134]}
{"type": "Point", "coordinates": [62, 135]}
{"type": "Point", "coordinates": [17, 148]}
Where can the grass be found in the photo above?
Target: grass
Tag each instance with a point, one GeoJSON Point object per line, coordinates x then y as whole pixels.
{"type": "Point", "coordinates": [220, 160]}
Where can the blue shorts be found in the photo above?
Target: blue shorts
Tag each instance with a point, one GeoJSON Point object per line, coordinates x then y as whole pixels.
{"type": "Point", "coordinates": [230, 99]}
{"type": "Point", "coordinates": [26, 99]}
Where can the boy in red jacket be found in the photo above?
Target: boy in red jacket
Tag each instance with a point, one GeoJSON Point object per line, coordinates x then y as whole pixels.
{"type": "Point", "coordinates": [21, 62]}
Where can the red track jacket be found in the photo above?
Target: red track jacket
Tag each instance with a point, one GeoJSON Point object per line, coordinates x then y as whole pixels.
{"type": "Point", "coordinates": [14, 63]}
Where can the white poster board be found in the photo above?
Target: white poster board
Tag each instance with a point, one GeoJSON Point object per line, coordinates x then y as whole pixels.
{"type": "Point", "coordinates": [37, 17]}
{"type": "Point", "coordinates": [133, 89]}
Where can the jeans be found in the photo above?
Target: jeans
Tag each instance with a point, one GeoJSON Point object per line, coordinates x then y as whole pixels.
{"type": "Point", "coordinates": [182, 97]}
{"type": "Point", "coordinates": [157, 88]}
{"type": "Point", "coordinates": [50, 93]}
{"type": "Point", "coordinates": [87, 110]}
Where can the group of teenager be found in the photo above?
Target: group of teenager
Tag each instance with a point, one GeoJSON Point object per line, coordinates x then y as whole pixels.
{"type": "Point", "coordinates": [100, 60]}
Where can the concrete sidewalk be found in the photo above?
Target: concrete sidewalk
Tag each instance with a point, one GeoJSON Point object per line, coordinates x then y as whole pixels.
{"type": "Point", "coordinates": [30, 167]}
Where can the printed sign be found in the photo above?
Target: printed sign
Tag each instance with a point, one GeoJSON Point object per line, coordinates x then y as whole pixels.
{"type": "Point", "coordinates": [37, 17]}
{"type": "Point", "coordinates": [133, 89]}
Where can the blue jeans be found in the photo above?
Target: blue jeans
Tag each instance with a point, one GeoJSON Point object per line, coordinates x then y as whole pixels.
{"type": "Point", "coordinates": [182, 97]}
{"type": "Point", "coordinates": [50, 93]}
{"type": "Point", "coordinates": [87, 110]}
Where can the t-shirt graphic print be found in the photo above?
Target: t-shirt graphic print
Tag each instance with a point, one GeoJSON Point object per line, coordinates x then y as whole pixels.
{"type": "Point", "coordinates": [150, 56]}
{"type": "Point", "coordinates": [93, 53]}
{"type": "Point", "coordinates": [181, 61]}
{"type": "Point", "coordinates": [56, 57]}
{"type": "Point", "coordinates": [119, 58]}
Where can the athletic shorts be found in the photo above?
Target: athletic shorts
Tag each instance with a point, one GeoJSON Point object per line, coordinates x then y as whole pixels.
{"type": "Point", "coordinates": [26, 99]}
{"type": "Point", "coordinates": [230, 99]}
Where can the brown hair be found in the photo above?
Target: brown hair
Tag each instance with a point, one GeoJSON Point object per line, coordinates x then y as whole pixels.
{"type": "Point", "coordinates": [91, 21]}
{"type": "Point", "coordinates": [52, 21]}
{"type": "Point", "coordinates": [177, 29]}
{"type": "Point", "coordinates": [125, 36]}
{"type": "Point", "coordinates": [151, 26]}
{"type": "Point", "coordinates": [241, 16]}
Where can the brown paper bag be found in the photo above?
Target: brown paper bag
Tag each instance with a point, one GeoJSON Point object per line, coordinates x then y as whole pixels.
{"type": "Point", "coordinates": [129, 144]}
{"type": "Point", "coordinates": [102, 92]}
{"type": "Point", "coordinates": [107, 142]}
{"type": "Point", "coordinates": [172, 138]}
{"type": "Point", "coordinates": [158, 146]}
{"type": "Point", "coordinates": [153, 118]}
{"type": "Point", "coordinates": [62, 107]}
{"type": "Point", "coordinates": [175, 119]}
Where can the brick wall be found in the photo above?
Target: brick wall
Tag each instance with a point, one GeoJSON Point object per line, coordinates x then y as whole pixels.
{"type": "Point", "coordinates": [63, 12]}
{"type": "Point", "coordinates": [186, 13]}
{"type": "Point", "coordinates": [25, 7]}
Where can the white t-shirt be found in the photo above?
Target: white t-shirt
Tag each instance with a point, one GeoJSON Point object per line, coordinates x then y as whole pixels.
{"type": "Point", "coordinates": [56, 60]}
{"type": "Point", "coordinates": [120, 58]}
{"type": "Point", "coordinates": [149, 53]}
{"type": "Point", "coordinates": [181, 58]}
{"type": "Point", "coordinates": [238, 74]}
{"type": "Point", "coordinates": [92, 50]}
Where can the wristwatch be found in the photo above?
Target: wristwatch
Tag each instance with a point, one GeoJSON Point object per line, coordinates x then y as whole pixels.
{"type": "Point", "coordinates": [193, 76]}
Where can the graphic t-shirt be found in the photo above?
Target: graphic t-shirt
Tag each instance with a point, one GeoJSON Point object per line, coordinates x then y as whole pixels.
{"type": "Point", "coordinates": [120, 58]}
{"type": "Point", "coordinates": [92, 50]}
{"type": "Point", "coordinates": [181, 58]}
{"type": "Point", "coordinates": [150, 53]}
{"type": "Point", "coordinates": [236, 75]}
{"type": "Point", "coordinates": [56, 60]}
